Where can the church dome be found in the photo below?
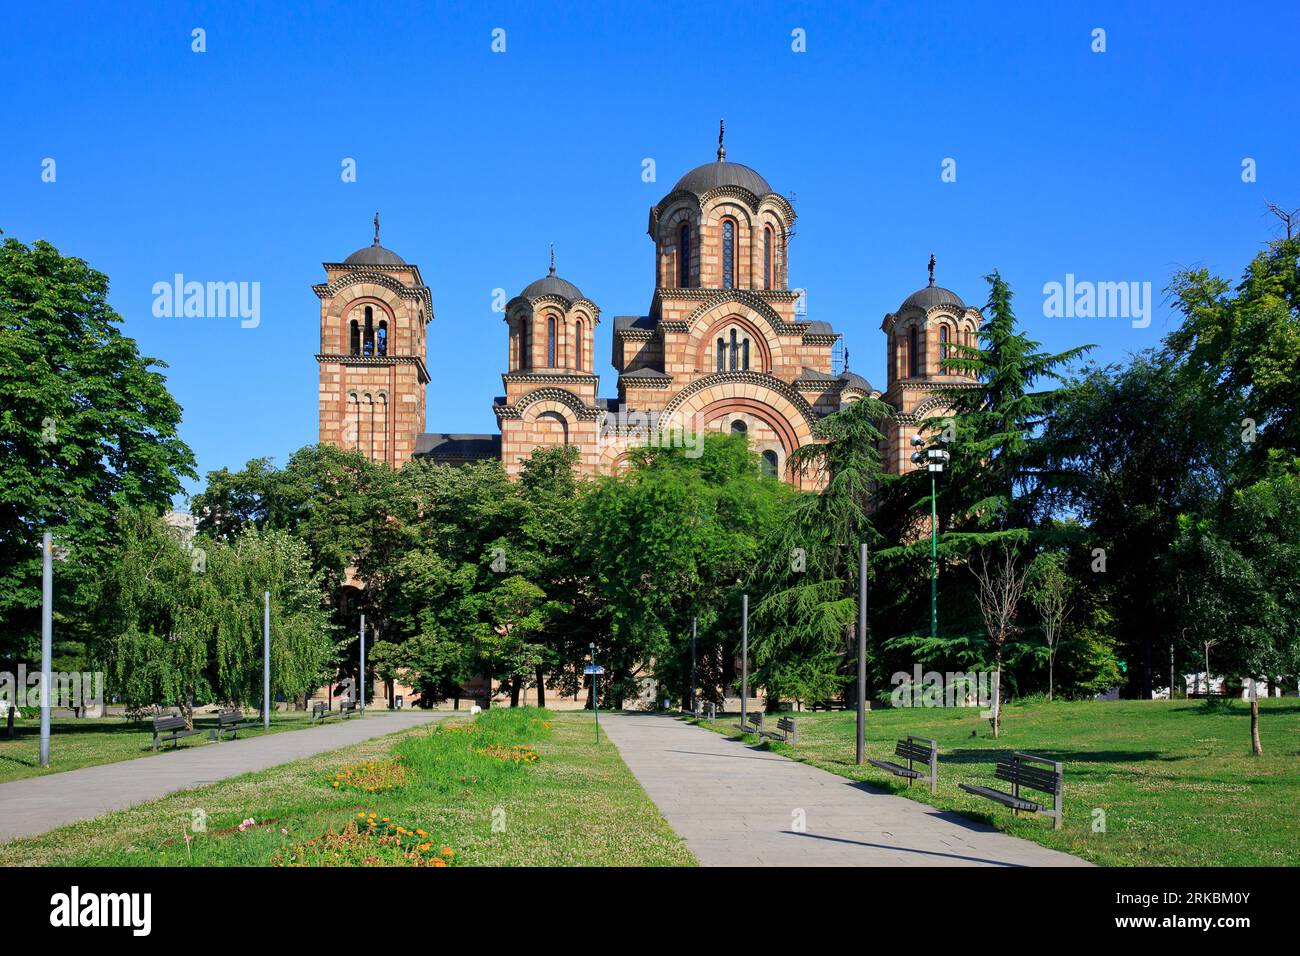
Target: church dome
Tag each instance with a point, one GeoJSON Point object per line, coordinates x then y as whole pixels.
{"type": "Point", "coordinates": [930, 296]}
{"type": "Point", "coordinates": [722, 173]}
{"type": "Point", "coordinates": [374, 255]}
{"type": "Point", "coordinates": [552, 285]}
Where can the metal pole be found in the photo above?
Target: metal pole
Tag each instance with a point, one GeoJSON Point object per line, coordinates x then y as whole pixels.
{"type": "Point", "coordinates": [47, 639]}
{"type": "Point", "coordinates": [1171, 672]}
{"type": "Point", "coordinates": [934, 561]}
{"type": "Point", "coordinates": [595, 691]}
{"type": "Point", "coordinates": [744, 658]}
{"type": "Point", "coordinates": [691, 702]}
{"type": "Point", "coordinates": [361, 677]}
{"type": "Point", "coordinates": [266, 661]}
{"type": "Point", "coordinates": [862, 653]}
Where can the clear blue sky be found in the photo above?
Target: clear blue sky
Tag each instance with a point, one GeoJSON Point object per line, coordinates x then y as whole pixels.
{"type": "Point", "coordinates": [225, 165]}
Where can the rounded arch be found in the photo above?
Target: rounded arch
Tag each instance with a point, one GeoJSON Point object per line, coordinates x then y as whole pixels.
{"type": "Point", "coordinates": [760, 360]}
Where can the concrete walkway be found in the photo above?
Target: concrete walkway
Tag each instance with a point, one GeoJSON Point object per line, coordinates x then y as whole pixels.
{"type": "Point", "coordinates": [38, 804]}
{"type": "Point", "coordinates": [737, 806]}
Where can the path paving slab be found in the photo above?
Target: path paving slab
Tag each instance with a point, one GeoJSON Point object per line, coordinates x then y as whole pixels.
{"type": "Point", "coordinates": [38, 804]}
{"type": "Point", "coordinates": [735, 805]}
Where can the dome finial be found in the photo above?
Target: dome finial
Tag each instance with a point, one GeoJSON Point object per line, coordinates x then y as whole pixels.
{"type": "Point", "coordinates": [722, 150]}
{"type": "Point", "coordinates": [932, 270]}
{"type": "Point", "coordinates": [376, 228]}
{"type": "Point", "coordinates": [552, 272]}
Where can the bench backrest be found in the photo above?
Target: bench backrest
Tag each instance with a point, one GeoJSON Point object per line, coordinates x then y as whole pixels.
{"type": "Point", "coordinates": [785, 725]}
{"type": "Point", "coordinates": [229, 716]}
{"type": "Point", "coordinates": [348, 705]}
{"type": "Point", "coordinates": [914, 748]}
{"type": "Point", "coordinates": [754, 720]}
{"type": "Point", "coordinates": [169, 722]}
{"type": "Point", "coordinates": [319, 707]}
{"type": "Point", "coordinates": [1020, 770]}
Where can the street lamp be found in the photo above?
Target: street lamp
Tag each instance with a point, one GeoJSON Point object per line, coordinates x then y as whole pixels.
{"type": "Point", "coordinates": [933, 459]}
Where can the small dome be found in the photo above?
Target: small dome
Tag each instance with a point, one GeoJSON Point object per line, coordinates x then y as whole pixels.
{"type": "Point", "coordinates": [552, 285]}
{"type": "Point", "coordinates": [374, 255]}
{"type": "Point", "coordinates": [722, 173]}
{"type": "Point", "coordinates": [930, 296]}
{"type": "Point", "coordinates": [854, 380]}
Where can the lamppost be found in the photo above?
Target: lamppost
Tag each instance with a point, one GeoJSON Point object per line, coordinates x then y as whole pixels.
{"type": "Point", "coordinates": [934, 459]}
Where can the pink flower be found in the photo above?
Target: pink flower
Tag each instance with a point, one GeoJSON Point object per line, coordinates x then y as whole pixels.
{"type": "Point", "coordinates": [246, 824]}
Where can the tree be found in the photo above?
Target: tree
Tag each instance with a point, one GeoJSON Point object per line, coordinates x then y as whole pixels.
{"type": "Point", "coordinates": [1001, 583]}
{"type": "Point", "coordinates": [1049, 589]}
{"type": "Point", "coordinates": [808, 585]}
{"type": "Point", "coordinates": [87, 427]}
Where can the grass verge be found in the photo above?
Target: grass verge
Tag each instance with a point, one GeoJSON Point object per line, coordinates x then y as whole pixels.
{"type": "Point", "coordinates": [1175, 783]}
{"type": "Point", "coordinates": [76, 743]}
{"type": "Point", "coordinates": [471, 788]}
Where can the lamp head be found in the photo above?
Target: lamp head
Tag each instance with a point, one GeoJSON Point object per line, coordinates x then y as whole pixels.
{"type": "Point", "coordinates": [918, 441]}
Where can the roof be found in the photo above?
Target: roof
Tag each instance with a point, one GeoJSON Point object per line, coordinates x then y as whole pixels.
{"type": "Point", "coordinates": [854, 380]}
{"type": "Point", "coordinates": [552, 285]}
{"type": "Point", "coordinates": [446, 447]}
{"type": "Point", "coordinates": [820, 327]}
{"type": "Point", "coordinates": [622, 322]}
{"type": "Point", "coordinates": [374, 255]}
{"type": "Point", "coordinates": [722, 173]}
{"type": "Point", "coordinates": [931, 296]}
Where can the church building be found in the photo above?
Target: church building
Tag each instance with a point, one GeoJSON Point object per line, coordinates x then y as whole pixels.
{"type": "Point", "coordinates": [723, 346]}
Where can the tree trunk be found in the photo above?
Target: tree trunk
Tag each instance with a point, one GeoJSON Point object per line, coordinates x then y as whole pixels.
{"type": "Point", "coordinates": [514, 691]}
{"type": "Point", "coordinates": [1051, 661]}
{"type": "Point", "coordinates": [1255, 747]}
{"type": "Point", "coordinates": [541, 688]}
{"type": "Point", "coordinates": [9, 722]}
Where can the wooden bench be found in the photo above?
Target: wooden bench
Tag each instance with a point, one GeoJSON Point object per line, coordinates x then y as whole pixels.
{"type": "Point", "coordinates": [751, 723]}
{"type": "Point", "coordinates": [349, 708]}
{"type": "Point", "coordinates": [169, 728]}
{"type": "Point", "coordinates": [230, 720]}
{"type": "Point", "coordinates": [786, 731]}
{"type": "Point", "coordinates": [1021, 771]}
{"type": "Point", "coordinates": [320, 711]}
{"type": "Point", "coordinates": [829, 705]}
{"type": "Point", "coordinates": [914, 750]}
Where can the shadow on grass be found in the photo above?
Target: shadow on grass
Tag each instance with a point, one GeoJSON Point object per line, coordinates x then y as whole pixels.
{"type": "Point", "coordinates": [990, 756]}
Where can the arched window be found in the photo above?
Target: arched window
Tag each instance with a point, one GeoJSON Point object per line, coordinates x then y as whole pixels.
{"type": "Point", "coordinates": [734, 350]}
{"type": "Point", "coordinates": [722, 355]}
{"type": "Point", "coordinates": [728, 254]}
{"type": "Point", "coordinates": [769, 463]}
{"type": "Point", "coordinates": [550, 342]}
{"type": "Point", "coordinates": [739, 428]}
{"type": "Point", "coordinates": [913, 354]}
{"type": "Point", "coordinates": [577, 346]}
{"type": "Point", "coordinates": [354, 338]}
{"type": "Point", "coordinates": [684, 257]}
{"type": "Point", "coordinates": [382, 340]}
{"type": "Point", "coordinates": [767, 258]}
{"type": "Point", "coordinates": [368, 342]}
{"type": "Point", "coordinates": [744, 354]}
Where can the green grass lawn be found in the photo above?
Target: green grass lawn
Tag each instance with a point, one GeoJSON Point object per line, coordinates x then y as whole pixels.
{"type": "Point", "coordinates": [87, 742]}
{"type": "Point", "coordinates": [1176, 781]}
{"type": "Point", "coordinates": [456, 785]}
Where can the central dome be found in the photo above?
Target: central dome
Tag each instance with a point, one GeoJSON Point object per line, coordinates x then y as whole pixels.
{"type": "Point", "coordinates": [930, 296]}
{"type": "Point", "coordinates": [722, 173]}
{"type": "Point", "coordinates": [374, 255]}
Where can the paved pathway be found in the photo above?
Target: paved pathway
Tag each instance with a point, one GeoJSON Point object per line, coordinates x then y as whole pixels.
{"type": "Point", "coordinates": [32, 806]}
{"type": "Point", "coordinates": [736, 806]}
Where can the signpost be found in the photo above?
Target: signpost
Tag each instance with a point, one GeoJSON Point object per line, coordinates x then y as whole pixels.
{"type": "Point", "coordinates": [595, 670]}
{"type": "Point", "coordinates": [691, 702]}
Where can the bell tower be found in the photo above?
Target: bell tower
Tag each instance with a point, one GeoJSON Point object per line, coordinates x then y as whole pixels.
{"type": "Point", "coordinates": [374, 311]}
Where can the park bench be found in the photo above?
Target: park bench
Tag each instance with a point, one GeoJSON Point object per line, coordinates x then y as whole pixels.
{"type": "Point", "coordinates": [320, 711]}
{"type": "Point", "coordinates": [1020, 771]}
{"type": "Point", "coordinates": [829, 705]}
{"type": "Point", "coordinates": [348, 708]}
{"type": "Point", "coordinates": [786, 731]}
{"type": "Point", "coordinates": [230, 720]}
{"type": "Point", "coordinates": [914, 750]}
{"type": "Point", "coordinates": [169, 728]}
{"type": "Point", "coordinates": [751, 723]}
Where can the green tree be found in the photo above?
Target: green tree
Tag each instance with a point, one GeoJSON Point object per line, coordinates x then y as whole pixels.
{"type": "Point", "coordinates": [87, 427]}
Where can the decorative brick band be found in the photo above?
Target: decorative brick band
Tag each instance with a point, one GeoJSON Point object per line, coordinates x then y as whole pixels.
{"type": "Point", "coordinates": [401, 289]}
{"type": "Point", "coordinates": [745, 378]}
{"type": "Point", "coordinates": [564, 397]}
